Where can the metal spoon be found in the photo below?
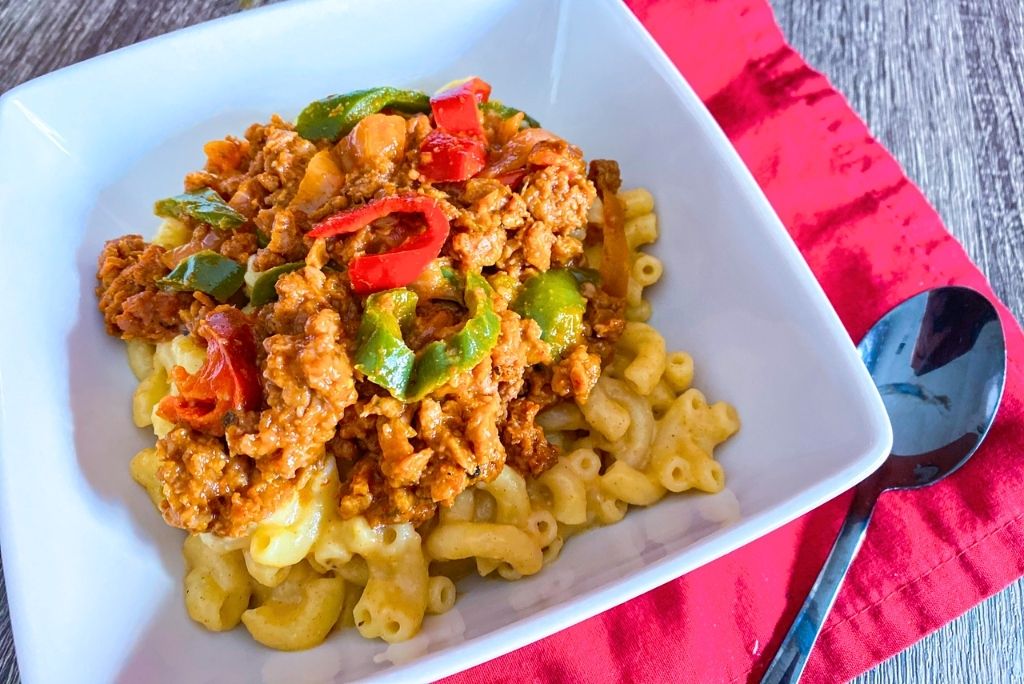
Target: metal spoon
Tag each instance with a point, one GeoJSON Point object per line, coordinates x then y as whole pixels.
{"type": "Point", "coordinates": [939, 362]}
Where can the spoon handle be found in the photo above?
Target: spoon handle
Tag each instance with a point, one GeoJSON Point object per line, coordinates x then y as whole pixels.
{"type": "Point", "coordinates": [796, 647]}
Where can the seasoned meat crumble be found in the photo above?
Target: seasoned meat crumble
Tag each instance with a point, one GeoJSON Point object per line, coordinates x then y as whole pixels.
{"type": "Point", "coordinates": [399, 458]}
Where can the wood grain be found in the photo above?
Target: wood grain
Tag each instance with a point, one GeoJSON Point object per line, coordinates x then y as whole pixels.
{"type": "Point", "coordinates": [940, 82]}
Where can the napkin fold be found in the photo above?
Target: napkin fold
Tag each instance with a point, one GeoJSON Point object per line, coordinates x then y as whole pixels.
{"type": "Point", "coordinates": [872, 240]}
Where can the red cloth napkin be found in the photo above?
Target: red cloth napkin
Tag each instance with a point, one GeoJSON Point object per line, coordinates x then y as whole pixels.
{"type": "Point", "coordinates": [872, 240]}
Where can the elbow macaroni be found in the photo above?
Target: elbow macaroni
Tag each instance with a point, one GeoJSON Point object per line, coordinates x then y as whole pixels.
{"type": "Point", "coordinates": [506, 544]}
{"type": "Point", "coordinates": [395, 594]}
{"type": "Point", "coordinates": [299, 612]}
{"type": "Point", "coordinates": [649, 359]}
{"type": "Point", "coordinates": [568, 494]}
{"type": "Point", "coordinates": [304, 571]}
{"type": "Point", "coordinates": [217, 587]}
{"type": "Point", "coordinates": [440, 595]}
{"type": "Point", "coordinates": [633, 444]}
{"type": "Point", "coordinates": [140, 357]}
{"type": "Point", "coordinates": [287, 536]}
{"type": "Point", "coordinates": [143, 469]}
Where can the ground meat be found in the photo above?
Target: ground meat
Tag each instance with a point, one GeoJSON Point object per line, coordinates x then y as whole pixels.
{"type": "Point", "coordinates": [286, 231]}
{"type": "Point", "coordinates": [429, 460]}
{"type": "Point", "coordinates": [304, 293]}
{"type": "Point", "coordinates": [248, 197]}
{"type": "Point", "coordinates": [239, 246]}
{"type": "Point", "coordinates": [560, 196]}
{"type": "Point", "coordinates": [361, 482]}
{"type": "Point", "coordinates": [133, 305]}
{"type": "Point", "coordinates": [397, 461]}
{"type": "Point", "coordinates": [400, 462]}
{"type": "Point", "coordinates": [367, 493]}
{"type": "Point", "coordinates": [537, 242]}
{"type": "Point", "coordinates": [576, 374]}
{"type": "Point", "coordinates": [464, 438]}
{"type": "Point", "coordinates": [308, 385]}
{"type": "Point", "coordinates": [207, 490]}
{"type": "Point", "coordinates": [487, 210]}
{"type": "Point", "coordinates": [424, 453]}
{"type": "Point", "coordinates": [476, 250]}
{"type": "Point", "coordinates": [567, 248]}
{"type": "Point", "coordinates": [380, 462]}
{"type": "Point", "coordinates": [225, 186]}
{"type": "Point", "coordinates": [435, 320]}
{"type": "Point", "coordinates": [558, 199]}
{"type": "Point", "coordinates": [283, 158]}
{"type": "Point", "coordinates": [354, 428]}
{"type": "Point", "coordinates": [260, 171]}
{"type": "Point", "coordinates": [486, 205]}
{"type": "Point", "coordinates": [519, 346]}
{"type": "Point", "coordinates": [527, 447]}
{"type": "Point", "coordinates": [150, 315]}
{"type": "Point", "coordinates": [604, 320]}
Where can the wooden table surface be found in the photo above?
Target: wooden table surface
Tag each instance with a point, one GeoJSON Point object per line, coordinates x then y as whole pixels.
{"type": "Point", "coordinates": [940, 82]}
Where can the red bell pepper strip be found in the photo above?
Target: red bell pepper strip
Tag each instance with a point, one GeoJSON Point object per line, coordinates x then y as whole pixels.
{"type": "Point", "coordinates": [476, 85]}
{"type": "Point", "coordinates": [402, 265]}
{"type": "Point", "coordinates": [229, 379]}
{"type": "Point", "coordinates": [456, 150]}
{"type": "Point", "coordinates": [455, 109]}
{"type": "Point", "coordinates": [447, 157]}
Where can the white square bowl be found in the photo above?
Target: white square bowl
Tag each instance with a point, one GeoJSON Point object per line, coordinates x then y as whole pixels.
{"type": "Point", "coordinates": [93, 575]}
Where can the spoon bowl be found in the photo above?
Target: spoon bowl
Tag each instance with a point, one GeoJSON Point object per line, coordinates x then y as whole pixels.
{"type": "Point", "coordinates": [939, 362]}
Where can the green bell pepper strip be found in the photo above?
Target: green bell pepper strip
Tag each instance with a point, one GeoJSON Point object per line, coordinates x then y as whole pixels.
{"type": "Point", "coordinates": [333, 117]}
{"type": "Point", "coordinates": [505, 112]}
{"type": "Point", "coordinates": [208, 272]}
{"type": "Point", "coordinates": [450, 275]}
{"type": "Point", "coordinates": [553, 300]}
{"type": "Point", "coordinates": [203, 205]}
{"type": "Point", "coordinates": [439, 361]}
{"type": "Point", "coordinates": [381, 353]}
{"type": "Point", "coordinates": [385, 359]}
{"type": "Point", "coordinates": [264, 289]}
